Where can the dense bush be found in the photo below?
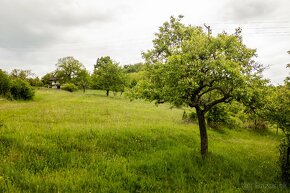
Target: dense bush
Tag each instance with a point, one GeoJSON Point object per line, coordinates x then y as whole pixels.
{"type": "Point", "coordinates": [190, 117]}
{"type": "Point", "coordinates": [5, 84]}
{"type": "Point", "coordinates": [218, 115]}
{"type": "Point", "coordinates": [21, 89]}
{"type": "Point", "coordinates": [69, 87]}
{"type": "Point", "coordinates": [35, 82]}
{"type": "Point", "coordinates": [15, 88]}
{"type": "Point", "coordinates": [133, 83]}
{"type": "Point", "coordinates": [234, 122]}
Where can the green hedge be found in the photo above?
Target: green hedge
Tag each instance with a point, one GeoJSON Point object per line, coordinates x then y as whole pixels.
{"type": "Point", "coordinates": [5, 84]}
{"type": "Point", "coordinates": [69, 87]}
{"type": "Point", "coordinates": [21, 89]}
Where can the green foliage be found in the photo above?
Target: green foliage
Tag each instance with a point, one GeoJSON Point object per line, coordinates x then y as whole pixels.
{"type": "Point", "coordinates": [21, 89]}
{"type": "Point", "coordinates": [69, 87]}
{"type": "Point", "coordinates": [134, 78]}
{"type": "Point", "coordinates": [75, 142]}
{"type": "Point", "coordinates": [278, 107]}
{"type": "Point", "coordinates": [108, 75]}
{"type": "Point", "coordinates": [35, 82]}
{"type": "Point", "coordinates": [230, 115]}
{"type": "Point", "coordinates": [190, 67]}
{"type": "Point", "coordinates": [5, 84]}
{"type": "Point", "coordinates": [218, 115]}
{"type": "Point", "coordinates": [190, 116]}
{"type": "Point", "coordinates": [83, 79]}
{"type": "Point", "coordinates": [46, 78]}
{"type": "Point", "coordinates": [133, 83]}
{"type": "Point", "coordinates": [133, 68]}
{"type": "Point", "coordinates": [68, 70]}
{"type": "Point", "coordinates": [278, 112]}
{"type": "Point", "coordinates": [21, 74]}
{"type": "Point", "coordinates": [15, 88]}
{"type": "Point", "coordinates": [255, 101]}
{"type": "Point", "coordinates": [27, 76]}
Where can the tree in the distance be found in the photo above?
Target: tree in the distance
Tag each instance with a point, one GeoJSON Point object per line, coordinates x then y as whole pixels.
{"type": "Point", "coordinates": [5, 84]}
{"type": "Point", "coordinates": [108, 75]}
{"type": "Point", "coordinates": [68, 70]}
{"type": "Point", "coordinates": [83, 79]}
{"type": "Point", "coordinates": [22, 74]}
{"type": "Point", "coordinates": [278, 112]}
{"type": "Point", "coordinates": [46, 78]}
{"type": "Point", "coordinates": [190, 67]}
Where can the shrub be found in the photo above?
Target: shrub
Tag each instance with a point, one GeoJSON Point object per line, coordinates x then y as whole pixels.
{"type": "Point", "coordinates": [133, 83]}
{"type": "Point", "coordinates": [35, 82]}
{"type": "Point", "coordinates": [217, 116]}
{"type": "Point", "coordinates": [69, 87]}
{"type": "Point", "coordinates": [21, 89]}
{"type": "Point", "coordinates": [190, 117]}
{"type": "Point", "coordinates": [234, 122]}
{"type": "Point", "coordinates": [5, 84]}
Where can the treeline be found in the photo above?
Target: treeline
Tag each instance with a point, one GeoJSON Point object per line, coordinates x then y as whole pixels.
{"type": "Point", "coordinates": [108, 75]}
{"type": "Point", "coordinates": [71, 75]}
{"type": "Point", "coordinates": [15, 86]}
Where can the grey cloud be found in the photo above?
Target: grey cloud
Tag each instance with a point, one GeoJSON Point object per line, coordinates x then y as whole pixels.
{"type": "Point", "coordinates": [37, 23]}
{"type": "Point", "coordinates": [249, 9]}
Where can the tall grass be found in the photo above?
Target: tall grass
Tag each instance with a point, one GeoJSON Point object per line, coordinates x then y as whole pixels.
{"type": "Point", "coordinates": [75, 142]}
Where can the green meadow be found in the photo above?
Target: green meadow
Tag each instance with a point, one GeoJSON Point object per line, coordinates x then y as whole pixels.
{"type": "Point", "coordinates": [76, 142]}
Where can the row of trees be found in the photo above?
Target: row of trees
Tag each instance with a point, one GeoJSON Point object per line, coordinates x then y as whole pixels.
{"type": "Point", "coordinates": [107, 75]}
{"type": "Point", "coordinates": [15, 87]}
{"type": "Point", "coordinates": [71, 75]}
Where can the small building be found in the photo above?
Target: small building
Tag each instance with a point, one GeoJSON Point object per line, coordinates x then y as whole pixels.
{"type": "Point", "coordinates": [54, 83]}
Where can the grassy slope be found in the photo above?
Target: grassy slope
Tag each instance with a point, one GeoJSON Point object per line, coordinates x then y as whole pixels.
{"type": "Point", "coordinates": [74, 142]}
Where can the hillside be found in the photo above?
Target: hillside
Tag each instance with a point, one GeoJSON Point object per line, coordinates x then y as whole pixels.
{"type": "Point", "coordinates": [75, 142]}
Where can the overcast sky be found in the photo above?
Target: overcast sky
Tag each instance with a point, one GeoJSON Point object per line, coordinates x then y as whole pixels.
{"type": "Point", "coordinates": [34, 34]}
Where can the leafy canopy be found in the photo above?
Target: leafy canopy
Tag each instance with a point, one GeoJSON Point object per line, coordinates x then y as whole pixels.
{"type": "Point", "coordinates": [279, 106]}
{"type": "Point", "coordinates": [188, 66]}
{"type": "Point", "coordinates": [68, 70]}
{"type": "Point", "coordinates": [108, 75]}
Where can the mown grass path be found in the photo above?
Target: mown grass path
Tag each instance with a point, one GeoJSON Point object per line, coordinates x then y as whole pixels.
{"type": "Point", "coordinates": [75, 142]}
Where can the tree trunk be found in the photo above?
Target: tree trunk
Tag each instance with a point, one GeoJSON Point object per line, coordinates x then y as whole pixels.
{"type": "Point", "coordinates": [202, 131]}
{"type": "Point", "coordinates": [108, 92]}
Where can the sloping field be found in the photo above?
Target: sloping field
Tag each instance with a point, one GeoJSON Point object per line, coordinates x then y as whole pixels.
{"type": "Point", "coordinates": [75, 142]}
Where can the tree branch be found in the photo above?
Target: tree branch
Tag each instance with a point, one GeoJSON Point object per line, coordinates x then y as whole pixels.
{"type": "Point", "coordinates": [226, 98]}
